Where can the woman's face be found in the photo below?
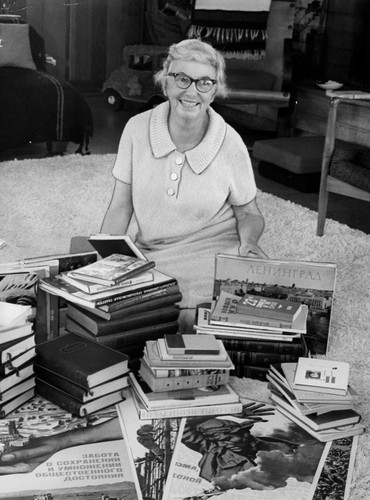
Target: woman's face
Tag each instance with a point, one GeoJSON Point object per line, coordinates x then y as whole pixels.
{"type": "Point", "coordinates": [190, 103]}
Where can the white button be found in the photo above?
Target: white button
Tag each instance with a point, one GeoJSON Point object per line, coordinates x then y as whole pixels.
{"type": "Point", "coordinates": [174, 176]}
{"type": "Point", "coordinates": [170, 192]}
{"type": "Point", "coordinates": [179, 160]}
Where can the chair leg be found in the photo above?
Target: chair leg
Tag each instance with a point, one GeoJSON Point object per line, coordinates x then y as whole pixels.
{"type": "Point", "coordinates": [323, 207]}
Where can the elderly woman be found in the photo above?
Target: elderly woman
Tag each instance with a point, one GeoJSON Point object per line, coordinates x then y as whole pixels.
{"type": "Point", "coordinates": [184, 184]}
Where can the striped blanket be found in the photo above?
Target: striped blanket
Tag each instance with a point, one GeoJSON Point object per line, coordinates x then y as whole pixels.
{"type": "Point", "coordinates": [235, 27]}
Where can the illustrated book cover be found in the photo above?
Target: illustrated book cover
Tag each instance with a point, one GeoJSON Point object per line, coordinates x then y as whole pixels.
{"type": "Point", "coordinates": [266, 307]}
{"type": "Point", "coordinates": [113, 269]}
{"type": "Point", "coordinates": [311, 283]}
{"type": "Point", "coordinates": [260, 455]}
{"type": "Point", "coordinates": [322, 375]}
{"type": "Point", "coordinates": [91, 461]}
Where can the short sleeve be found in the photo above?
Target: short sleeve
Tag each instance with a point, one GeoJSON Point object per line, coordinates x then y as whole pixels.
{"type": "Point", "coordinates": [122, 168]}
{"type": "Point", "coordinates": [242, 183]}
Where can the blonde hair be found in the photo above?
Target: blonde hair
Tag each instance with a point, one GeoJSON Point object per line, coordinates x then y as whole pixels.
{"type": "Point", "coordinates": [194, 50]}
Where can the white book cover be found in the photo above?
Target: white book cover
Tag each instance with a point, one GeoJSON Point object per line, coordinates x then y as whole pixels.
{"type": "Point", "coordinates": [322, 373]}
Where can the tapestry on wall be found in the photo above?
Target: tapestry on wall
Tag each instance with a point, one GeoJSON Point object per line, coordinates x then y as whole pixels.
{"type": "Point", "coordinates": [237, 27]}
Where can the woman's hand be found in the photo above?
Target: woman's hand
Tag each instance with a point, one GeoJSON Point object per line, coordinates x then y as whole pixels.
{"type": "Point", "coordinates": [252, 250]}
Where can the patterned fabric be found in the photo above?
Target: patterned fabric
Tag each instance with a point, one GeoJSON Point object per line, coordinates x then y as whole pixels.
{"type": "Point", "coordinates": [352, 166]}
{"type": "Point", "coordinates": [235, 27]}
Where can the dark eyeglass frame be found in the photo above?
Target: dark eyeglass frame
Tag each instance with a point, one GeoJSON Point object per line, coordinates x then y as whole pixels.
{"type": "Point", "coordinates": [192, 80]}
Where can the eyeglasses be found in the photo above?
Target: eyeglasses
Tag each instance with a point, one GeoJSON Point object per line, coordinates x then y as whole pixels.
{"type": "Point", "coordinates": [201, 84]}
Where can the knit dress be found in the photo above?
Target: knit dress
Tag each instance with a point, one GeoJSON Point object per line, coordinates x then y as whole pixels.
{"type": "Point", "coordinates": [182, 202]}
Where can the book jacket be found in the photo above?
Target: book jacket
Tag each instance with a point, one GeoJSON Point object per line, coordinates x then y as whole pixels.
{"type": "Point", "coordinates": [311, 283]}
{"type": "Point", "coordinates": [85, 471]}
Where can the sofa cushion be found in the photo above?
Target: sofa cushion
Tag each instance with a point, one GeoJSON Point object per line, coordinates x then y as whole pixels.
{"type": "Point", "coordinates": [15, 49]}
{"type": "Point", "coordinates": [300, 155]}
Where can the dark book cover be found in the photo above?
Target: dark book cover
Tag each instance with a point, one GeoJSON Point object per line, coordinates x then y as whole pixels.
{"type": "Point", "coordinates": [72, 405]}
{"type": "Point", "coordinates": [78, 391]}
{"type": "Point", "coordinates": [99, 326]}
{"type": "Point", "coordinates": [156, 302]}
{"type": "Point", "coordinates": [10, 350]}
{"type": "Point", "coordinates": [295, 346]}
{"type": "Point", "coordinates": [260, 358]}
{"type": "Point", "coordinates": [140, 296]}
{"type": "Point", "coordinates": [82, 360]}
{"type": "Point", "coordinates": [123, 339]}
{"type": "Point", "coordinates": [107, 244]}
{"type": "Point", "coordinates": [17, 376]}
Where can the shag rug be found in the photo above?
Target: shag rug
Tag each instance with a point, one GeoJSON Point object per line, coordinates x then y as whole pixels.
{"type": "Point", "coordinates": [44, 202]}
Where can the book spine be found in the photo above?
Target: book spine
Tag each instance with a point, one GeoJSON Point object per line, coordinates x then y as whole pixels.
{"type": "Point", "coordinates": [148, 318]}
{"type": "Point", "coordinates": [135, 293]}
{"type": "Point", "coordinates": [221, 409]}
{"type": "Point", "coordinates": [132, 338]}
{"type": "Point", "coordinates": [255, 372]}
{"type": "Point", "coordinates": [144, 305]}
{"type": "Point", "coordinates": [61, 383]}
{"type": "Point", "coordinates": [188, 382]}
{"type": "Point", "coordinates": [260, 358]}
{"type": "Point", "coordinates": [59, 398]}
{"type": "Point", "coordinates": [236, 319]}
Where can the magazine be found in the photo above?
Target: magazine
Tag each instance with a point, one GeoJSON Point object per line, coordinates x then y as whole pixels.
{"type": "Point", "coordinates": [259, 455]}
{"type": "Point", "coordinates": [88, 470]}
{"type": "Point", "coordinates": [311, 283]}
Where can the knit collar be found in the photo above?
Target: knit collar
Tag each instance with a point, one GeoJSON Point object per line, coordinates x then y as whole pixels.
{"type": "Point", "coordinates": [199, 157]}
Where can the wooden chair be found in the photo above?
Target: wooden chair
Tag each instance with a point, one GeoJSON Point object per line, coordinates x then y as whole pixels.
{"type": "Point", "coordinates": [345, 170]}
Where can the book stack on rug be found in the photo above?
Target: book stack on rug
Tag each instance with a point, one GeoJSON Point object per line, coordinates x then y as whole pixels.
{"type": "Point", "coordinates": [120, 300]}
{"type": "Point", "coordinates": [268, 311]}
{"type": "Point", "coordinates": [183, 375]}
{"type": "Point", "coordinates": [79, 375]}
{"type": "Point", "coordinates": [17, 351]}
{"type": "Point", "coordinates": [314, 393]}
{"type": "Point", "coordinates": [254, 340]}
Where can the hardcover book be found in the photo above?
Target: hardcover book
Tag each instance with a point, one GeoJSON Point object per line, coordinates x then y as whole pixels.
{"type": "Point", "coordinates": [221, 356]}
{"type": "Point", "coordinates": [181, 398]}
{"type": "Point", "coordinates": [16, 402]}
{"type": "Point", "coordinates": [82, 360]}
{"type": "Point", "coordinates": [77, 391]}
{"type": "Point", "coordinates": [17, 332]}
{"type": "Point", "coordinates": [13, 364]}
{"type": "Point", "coordinates": [266, 307]}
{"type": "Point", "coordinates": [57, 286]}
{"type": "Point", "coordinates": [112, 270]}
{"type": "Point", "coordinates": [161, 384]}
{"type": "Point", "coordinates": [126, 338]}
{"type": "Point", "coordinates": [16, 390]}
{"type": "Point", "coordinates": [225, 313]}
{"type": "Point", "coordinates": [107, 244]}
{"type": "Point", "coordinates": [92, 288]}
{"type": "Point", "coordinates": [99, 326]}
{"type": "Point", "coordinates": [12, 349]}
{"type": "Point", "coordinates": [16, 376]}
{"type": "Point", "coordinates": [191, 344]}
{"type": "Point", "coordinates": [154, 360]}
{"type": "Point", "coordinates": [311, 283]}
{"type": "Point", "coordinates": [73, 405]}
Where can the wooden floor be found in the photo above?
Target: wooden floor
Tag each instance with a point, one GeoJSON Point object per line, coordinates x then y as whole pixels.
{"type": "Point", "coordinates": [108, 126]}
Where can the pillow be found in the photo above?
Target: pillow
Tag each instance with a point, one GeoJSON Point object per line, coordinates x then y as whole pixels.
{"type": "Point", "coordinates": [15, 47]}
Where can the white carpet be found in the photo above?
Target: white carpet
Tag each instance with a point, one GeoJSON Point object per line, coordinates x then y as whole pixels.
{"type": "Point", "coordinates": [43, 203]}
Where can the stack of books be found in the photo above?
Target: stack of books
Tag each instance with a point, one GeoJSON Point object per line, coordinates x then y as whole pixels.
{"type": "Point", "coordinates": [132, 303]}
{"type": "Point", "coordinates": [184, 375]}
{"type": "Point", "coordinates": [17, 351]}
{"type": "Point", "coordinates": [79, 375]}
{"type": "Point", "coordinates": [256, 331]}
{"type": "Point", "coordinates": [314, 393]}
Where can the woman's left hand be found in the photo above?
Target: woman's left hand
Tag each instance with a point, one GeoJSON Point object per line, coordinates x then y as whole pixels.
{"type": "Point", "coordinates": [252, 250]}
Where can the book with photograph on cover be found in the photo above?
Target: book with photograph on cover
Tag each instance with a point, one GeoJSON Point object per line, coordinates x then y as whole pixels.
{"type": "Point", "coordinates": [259, 452]}
{"type": "Point", "coordinates": [95, 465]}
{"type": "Point", "coordinates": [311, 283]}
{"type": "Point", "coordinates": [322, 375]}
{"type": "Point", "coordinates": [113, 269]}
